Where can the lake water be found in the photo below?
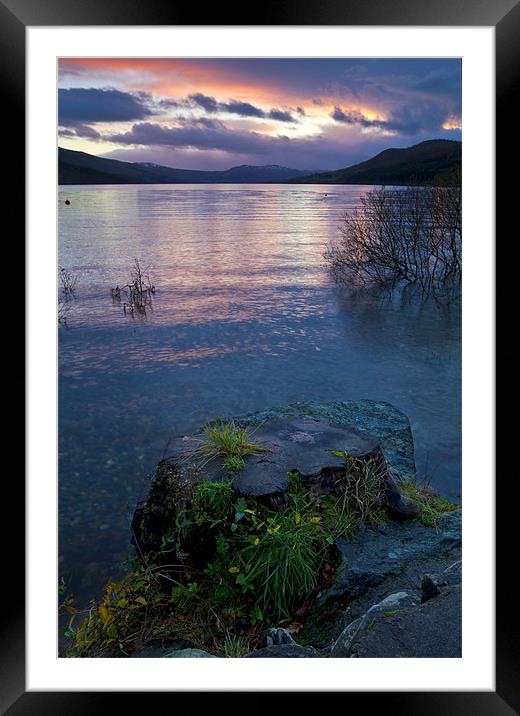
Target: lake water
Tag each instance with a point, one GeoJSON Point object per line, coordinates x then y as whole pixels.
{"type": "Point", "coordinates": [245, 316]}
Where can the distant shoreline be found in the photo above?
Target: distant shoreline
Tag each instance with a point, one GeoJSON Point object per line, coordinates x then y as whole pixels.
{"type": "Point", "coordinates": [430, 162]}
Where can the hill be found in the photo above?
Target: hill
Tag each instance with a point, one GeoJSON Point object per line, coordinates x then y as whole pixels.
{"type": "Point", "coordinates": [82, 168]}
{"type": "Point", "coordinates": [431, 161]}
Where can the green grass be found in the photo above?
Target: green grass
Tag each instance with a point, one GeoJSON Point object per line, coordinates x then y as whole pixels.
{"type": "Point", "coordinates": [432, 506]}
{"type": "Point", "coordinates": [259, 563]}
{"type": "Point", "coordinates": [280, 564]}
{"type": "Point", "coordinates": [235, 646]}
{"type": "Point", "coordinates": [226, 439]}
{"type": "Point", "coordinates": [234, 463]}
{"type": "Point", "coordinates": [215, 499]}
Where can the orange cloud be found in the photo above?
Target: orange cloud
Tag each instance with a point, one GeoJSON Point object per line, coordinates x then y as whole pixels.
{"type": "Point", "coordinates": [452, 123]}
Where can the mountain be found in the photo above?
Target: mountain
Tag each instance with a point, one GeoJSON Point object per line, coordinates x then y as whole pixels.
{"type": "Point", "coordinates": [82, 168]}
{"type": "Point", "coordinates": [432, 161]}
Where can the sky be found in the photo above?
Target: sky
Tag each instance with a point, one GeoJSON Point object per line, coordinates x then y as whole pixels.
{"type": "Point", "coordinates": [189, 113]}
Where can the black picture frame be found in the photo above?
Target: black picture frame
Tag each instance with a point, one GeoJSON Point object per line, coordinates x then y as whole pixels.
{"type": "Point", "coordinates": [15, 16]}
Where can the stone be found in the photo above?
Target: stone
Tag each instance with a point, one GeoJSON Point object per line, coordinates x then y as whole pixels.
{"type": "Point", "coordinates": [375, 418]}
{"type": "Point", "coordinates": [342, 646]}
{"type": "Point", "coordinates": [374, 554]}
{"type": "Point", "coordinates": [283, 651]}
{"type": "Point", "coordinates": [303, 445]}
{"type": "Point", "coordinates": [190, 654]}
{"type": "Point", "coordinates": [159, 651]}
{"type": "Point", "coordinates": [431, 586]}
{"type": "Point", "coordinates": [432, 629]}
{"type": "Point", "coordinates": [276, 636]}
{"type": "Point", "coordinates": [302, 438]}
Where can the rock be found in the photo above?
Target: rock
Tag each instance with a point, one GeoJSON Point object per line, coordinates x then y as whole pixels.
{"type": "Point", "coordinates": [374, 418]}
{"type": "Point", "coordinates": [378, 562]}
{"type": "Point", "coordinates": [431, 586]}
{"type": "Point", "coordinates": [303, 445]}
{"type": "Point", "coordinates": [174, 649]}
{"type": "Point", "coordinates": [375, 554]}
{"type": "Point", "coordinates": [302, 438]}
{"type": "Point", "coordinates": [432, 629]}
{"type": "Point", "coordinates": [394, 603]}
{"type": "Point", "coordinates": [400, 505]}
{"type": "Point", "coordinates": [191, 654]}
{"type": "Point", "coordinates": [277, 636]}
{"type": "Point", "coordinates": [283, 651]}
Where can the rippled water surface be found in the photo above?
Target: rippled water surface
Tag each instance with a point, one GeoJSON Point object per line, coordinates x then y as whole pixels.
{"type": "Point", "coordinates": [245, 317]}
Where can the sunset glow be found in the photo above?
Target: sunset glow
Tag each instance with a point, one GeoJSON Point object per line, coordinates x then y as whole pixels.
{"type": "Point", "coordinates": [216, 113]}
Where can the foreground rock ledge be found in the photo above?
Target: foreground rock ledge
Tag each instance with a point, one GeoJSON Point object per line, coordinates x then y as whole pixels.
{"type": "Point", "coordinates": [396, 591]}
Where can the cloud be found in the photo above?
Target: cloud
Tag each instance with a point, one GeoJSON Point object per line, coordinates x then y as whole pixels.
{"type": "Point", "coordinates": [193, 111]}
{"type": "Point", "coordinates": [210, 104]}
{"type": "Point", "coordinates": [79, 129]}
{"type": "Point", "coordinates": [355, 117]}
{"type": "Point", "coordinates": [215, 137]}
{"type": "Point", "coordinates": [406, 120]}
{"type": "Point", "coordinates": [280, 115]}
{"type": "Point", "coordinates": [242, 109]}
{"type": "Point", "coordinates": [101, 105]}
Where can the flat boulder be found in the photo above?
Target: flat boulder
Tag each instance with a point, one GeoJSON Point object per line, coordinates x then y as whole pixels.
{"type": "Point", "coordinates": [303, 445]}
{"type": "Point", "coordinates": [302, 437]}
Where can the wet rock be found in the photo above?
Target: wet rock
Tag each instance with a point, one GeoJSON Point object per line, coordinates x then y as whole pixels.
{"type": "Point", "coordinates": [374, 418]}
{"type": "Point", "coordinates": [191, 654]}
{"type": "Point", "coordinates": [283, 651]}
{"type": "Point", "coordinates": [431, 586]}
{"type": "Point", "coordinates": [376, 554]}
{"type": "Point", "coordinates": [302, 438]}
{"type": "Point", "coordinates": [277, 636]}
{"type": "Point", "coordinates": [391, 605]}
{"type": "Point", "coordinates": [432, 629]}
{"type": "Point", "coordinates": [303, 445]}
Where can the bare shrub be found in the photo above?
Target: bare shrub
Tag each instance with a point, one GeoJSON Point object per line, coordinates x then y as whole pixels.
{"type": "Point", "coordinates": [402, 236]}
{"type": "Point", "coordinates": [138, 290]}
{"type": "Point", "coordinates": [63, 311]}
{"type": "Point", "coordinates": [68, 282]}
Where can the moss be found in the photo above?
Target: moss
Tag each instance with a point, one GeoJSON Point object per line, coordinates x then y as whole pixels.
{"type": "Point", "coordinates": [371, 624]}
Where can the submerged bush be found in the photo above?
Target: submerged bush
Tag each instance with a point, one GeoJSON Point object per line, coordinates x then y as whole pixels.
{"type": "Point", "coordinates": [409, 236]}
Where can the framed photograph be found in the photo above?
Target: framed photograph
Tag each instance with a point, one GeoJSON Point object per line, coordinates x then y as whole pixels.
{"type": "Point", "coordinates": [260, 384]}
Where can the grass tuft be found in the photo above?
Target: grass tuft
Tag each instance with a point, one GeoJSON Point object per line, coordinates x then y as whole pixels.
{"type": "Point", "coordinates": [229, 442]}
{"type": "Point", "coordinates": [432, 506]}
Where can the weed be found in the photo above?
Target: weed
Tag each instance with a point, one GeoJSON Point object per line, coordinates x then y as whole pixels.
{"type": "Point", "coordinates": [215, 499]}
{"type": "Point", "coordinates": [234, 463]}
{"type": "Point", "coordinates": [247, 564]}
{"type": "Point", "coordinates": [235, 646]}
{"type": "Point", "coordinates": [432, 506]}
{"type": "Point", "coordinates": [361, 488]}
{"type": "Point", "coordinates": [339, 517]}
{"type": "Point", "coordinates": [225, 439]}
{"type": "Point", "coordinates": [278, 561]}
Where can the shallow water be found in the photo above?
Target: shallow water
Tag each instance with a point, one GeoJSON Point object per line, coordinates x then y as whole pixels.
{"type": "Point", "coordinates": [245, 317]}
